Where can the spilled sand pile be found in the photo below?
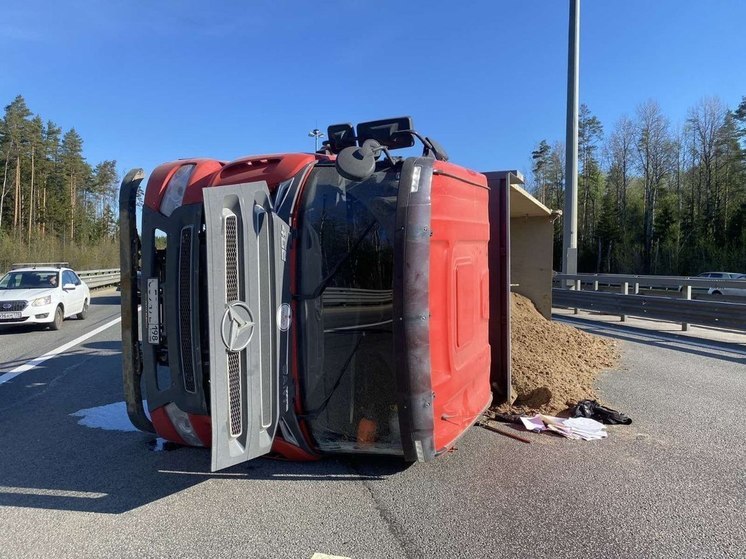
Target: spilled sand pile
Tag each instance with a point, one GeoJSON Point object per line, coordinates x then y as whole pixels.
{"type": "Point", "coordinates": [553, 365]}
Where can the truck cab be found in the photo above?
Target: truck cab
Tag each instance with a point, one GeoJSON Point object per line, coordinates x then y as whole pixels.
{"type": "Point", "coordinates": [309, 304]}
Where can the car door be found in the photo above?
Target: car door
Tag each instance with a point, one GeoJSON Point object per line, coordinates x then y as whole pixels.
{"type": "Point", "coordinates": [736, 291]}
{"type": "Point", "coordinates": [66, 295]}
{"type": "Point", "coordinates": [73, 296]}
{"type": "Point", "coordinates": [246, 259]}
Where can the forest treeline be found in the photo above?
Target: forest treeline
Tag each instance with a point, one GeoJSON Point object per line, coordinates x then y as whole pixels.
{"type": "Point", "coordinates": [54, 205]}
{"type": "Point", "coordinates": [654, 198]}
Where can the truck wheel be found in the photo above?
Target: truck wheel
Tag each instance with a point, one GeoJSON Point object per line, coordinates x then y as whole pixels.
{"type": "Point", "coordinates": [82, 314]}
{"type": "Point", "coordinates": [58, 318]}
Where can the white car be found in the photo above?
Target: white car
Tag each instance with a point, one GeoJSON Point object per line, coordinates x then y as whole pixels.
{"type": "Point", "coordinates": [731, 291]}
{"type": "Point", "coordinates": [42, 295]}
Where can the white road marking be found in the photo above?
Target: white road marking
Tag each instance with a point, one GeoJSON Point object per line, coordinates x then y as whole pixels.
{"type": "Point", "coordinates": [318, 555]}
{"type": "Point", "coordinates": [10, 375]}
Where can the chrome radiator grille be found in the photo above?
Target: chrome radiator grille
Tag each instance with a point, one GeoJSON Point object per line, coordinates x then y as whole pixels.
{"type": "Point", "coordinates": [231, 259]}
{"type": "Point", "coordinates": [13, 306]}
{"type": "Point", "coordinates": [234, 393]}
{"type": "Point", "coordinates": [231, 294]}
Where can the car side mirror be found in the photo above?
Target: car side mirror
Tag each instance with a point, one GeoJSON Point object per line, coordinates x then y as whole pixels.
{"type": "Point", "coordinates": [68, 287]}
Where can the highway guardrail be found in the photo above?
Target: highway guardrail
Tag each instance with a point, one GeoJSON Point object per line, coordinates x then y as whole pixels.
{"type": "Point", "coordinates": [100, 278]}
{"type": "Point", "coordinates": [594, 292]}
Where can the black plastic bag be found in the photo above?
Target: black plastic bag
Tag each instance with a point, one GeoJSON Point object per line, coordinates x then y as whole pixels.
{"type": "Point", "coordinates": [594, 410]}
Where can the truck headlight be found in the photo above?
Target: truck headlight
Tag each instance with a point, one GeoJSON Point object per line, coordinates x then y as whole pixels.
{"type": "Point", "coordinates": [176, 188]}
{"type": "Point", "coordinates": [42, 301]}
{"type": "Point", "coordinates": [182, 423]}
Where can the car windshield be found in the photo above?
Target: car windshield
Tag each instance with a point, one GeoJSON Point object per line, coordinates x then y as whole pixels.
{"type": "Point", "coordinates": [40, 279]}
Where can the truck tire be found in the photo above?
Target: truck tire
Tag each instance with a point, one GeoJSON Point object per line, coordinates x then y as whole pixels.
{"type": "Point", "coordinates": [58, 318]}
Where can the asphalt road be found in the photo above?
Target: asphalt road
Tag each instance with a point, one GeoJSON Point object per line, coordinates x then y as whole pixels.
{"type": "Point", "coordinates": [670, 485]}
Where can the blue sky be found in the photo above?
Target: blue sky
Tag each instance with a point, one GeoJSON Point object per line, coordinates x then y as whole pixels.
{"type": "Point", "coordinates": [148, 81]}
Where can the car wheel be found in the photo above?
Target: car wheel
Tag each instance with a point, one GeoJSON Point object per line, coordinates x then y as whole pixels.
{"type": "Point", "coordinates": [58, 318]}
{"type": "Point", "coordinates": [82, 314]}
{"type": "Point", "coordinates": [716, 293]}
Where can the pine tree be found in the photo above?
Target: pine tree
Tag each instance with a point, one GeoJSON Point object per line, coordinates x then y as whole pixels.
{"type": "Point", "coordinates": [14, 138]}
{"type": "Point", "coordinates": [75, 172]}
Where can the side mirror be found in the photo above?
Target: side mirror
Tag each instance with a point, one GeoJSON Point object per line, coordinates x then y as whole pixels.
{"type": "Point", "coordinates": [340, 136]}
{"type": "Point", "coordinates": [393, 133]}
{"type": "Point", "coordinates": [357, 164]}
{"type": "Point", "coordinates": [68, 287]}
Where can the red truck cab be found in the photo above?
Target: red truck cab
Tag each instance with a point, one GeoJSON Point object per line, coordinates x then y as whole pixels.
{"type": "Point", "coordinates": [308, 304]}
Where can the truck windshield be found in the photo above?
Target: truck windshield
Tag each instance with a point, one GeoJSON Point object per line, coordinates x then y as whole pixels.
{"type": "Point", "coordinates": [345, 276]}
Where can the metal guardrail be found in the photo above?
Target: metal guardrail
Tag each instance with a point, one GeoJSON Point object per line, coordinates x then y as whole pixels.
{"type": "Point", "coordinates": [100, 278]}
{"type": "Point", "coordinates": [651, 281]}
{"type": "Point", "coordinates": [680, 308]}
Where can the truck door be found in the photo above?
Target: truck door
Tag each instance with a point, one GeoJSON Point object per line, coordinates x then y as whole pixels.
{"type": "Point", "coordinates": [247, 288]}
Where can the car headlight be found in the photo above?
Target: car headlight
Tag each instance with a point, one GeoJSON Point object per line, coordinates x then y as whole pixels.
{"type": "Point", "coordinates": [176, 188]}
{"type": "Point", "coordinates": [41, 301]}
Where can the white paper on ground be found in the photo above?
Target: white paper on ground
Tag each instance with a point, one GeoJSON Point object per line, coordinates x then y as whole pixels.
{"type": "Point", "coordinates": [588, 429]}
{"type": "Point", "coordinates": [533, 423]}
{"type": "Point", "coordinates": [584, 424]}
{"type": "Point", "coordinates": [573, 428]}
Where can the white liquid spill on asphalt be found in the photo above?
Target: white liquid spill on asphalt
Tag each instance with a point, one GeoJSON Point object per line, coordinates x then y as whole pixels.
{"type": "Point", "coordinates": [110, 417]}
{"type": "Point", "coordinates": [113, 417]}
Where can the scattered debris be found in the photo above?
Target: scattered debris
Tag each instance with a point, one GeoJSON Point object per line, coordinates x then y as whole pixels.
{"type": "Point", "coordinates": [579, 428]}
{"type": "Point", "coordinates": [594, 410]}
{"type": "Point", "coordinates": [501, 432]}
{"type": "Point", "coordinates": [504, 417]}
{"type": "Point", "coordinates": [160, 445]}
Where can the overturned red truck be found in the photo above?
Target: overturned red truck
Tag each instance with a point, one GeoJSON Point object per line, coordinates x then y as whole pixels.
{"type": "Point", "coordinates": [308, 304]}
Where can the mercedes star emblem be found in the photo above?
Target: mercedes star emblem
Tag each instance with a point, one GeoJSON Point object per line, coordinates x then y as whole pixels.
{"type": "Point", "coordinates": [237, 326]}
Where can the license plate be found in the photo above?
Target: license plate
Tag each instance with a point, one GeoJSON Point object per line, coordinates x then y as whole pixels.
{"type": "Point", "coordinates": [153, 314]}
{"type": "Point", "coordinates": [8, 315]}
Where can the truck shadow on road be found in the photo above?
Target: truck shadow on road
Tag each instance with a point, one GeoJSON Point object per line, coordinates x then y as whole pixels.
{"type": "Point", "coordinates": [50, 461]}
{"type": "Point", "coordinates": [15, 329]}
